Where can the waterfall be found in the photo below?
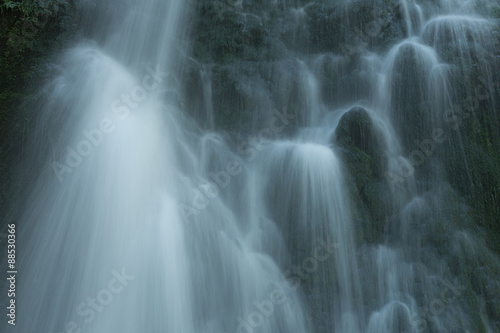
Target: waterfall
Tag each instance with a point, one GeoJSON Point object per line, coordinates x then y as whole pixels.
{"type": "Point", "coordinates": [315, 184]}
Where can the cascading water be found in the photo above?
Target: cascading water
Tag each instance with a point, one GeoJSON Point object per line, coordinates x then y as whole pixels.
{"type": "Point", "coordinates": [109, 229]}
{"type": "Point", "coordinates": [311, 192]}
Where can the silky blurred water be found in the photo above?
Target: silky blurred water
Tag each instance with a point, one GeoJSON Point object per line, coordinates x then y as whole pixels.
{"type": "Point", "coordinates": [142, 220]}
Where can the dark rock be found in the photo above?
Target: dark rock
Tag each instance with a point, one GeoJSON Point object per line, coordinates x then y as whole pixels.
{"type": "Point", "coordinates": [362, 144]}
{"type": "Point", "coordinates": [362, 149]}
{"type": "Point", "coordinates": [346, 29]}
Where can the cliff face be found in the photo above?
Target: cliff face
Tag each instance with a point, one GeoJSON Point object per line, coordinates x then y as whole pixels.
{"type": "Point", "coordinates": [253, 57]}
{"type": "Point", "coordinates": [31, 33]}
{"type": "Point", "coordinates": [400, 100]}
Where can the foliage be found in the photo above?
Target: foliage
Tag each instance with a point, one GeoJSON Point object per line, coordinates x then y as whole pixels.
{"type": "Point", "coordinates": [30, 31]}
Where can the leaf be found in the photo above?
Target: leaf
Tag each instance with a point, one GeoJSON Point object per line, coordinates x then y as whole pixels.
{"type": "Point", "coordinates": [10, 4]}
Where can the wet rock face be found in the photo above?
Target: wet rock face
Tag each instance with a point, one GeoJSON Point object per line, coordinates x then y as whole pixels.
{"type": "Point", "coordinates": [345, 28]}
{"type": "Point", "coordinates": [471, 158]}
{"type": "Point", "coordinates": [260, 40]}
{"type": "Point", "coordinates": [410, 88]}
{"type": "Point", "coordinates": [253, 57]}
{"type": "Point", "coordinates": [227, 31]}
{"type": "Point", "coordinates": [362, 143]}
{"type": "Point", "coordinates": [362, 149]}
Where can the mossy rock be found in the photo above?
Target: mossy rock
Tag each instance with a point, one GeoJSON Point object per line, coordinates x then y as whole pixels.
{"type": "Point", "coordinates": [378, 197]}
{"type": "Point", "coordinates": [362, 139]}
{"type": "Point", "coordinates": [226, 33]}
{"type": "Point", "coordinates": [362, 149]}
{"type": "Point", "coordinates": [345, 28]}
{"type": "Point", "coordinates": [31, 32]}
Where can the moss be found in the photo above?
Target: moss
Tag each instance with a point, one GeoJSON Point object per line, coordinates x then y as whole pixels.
{"type": "Point", "coordinates": [363, 142]}
{"type": "Point", "coordinates": [224, 35]}
{"type": "Point", "coordinates": [473, 166]}
{"type": "Point", "coordinates": [362, 150]}
{"type": "Point", "coordinates": [30, 32]}
{"type": "Point", "coordinates": [341, 28]}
